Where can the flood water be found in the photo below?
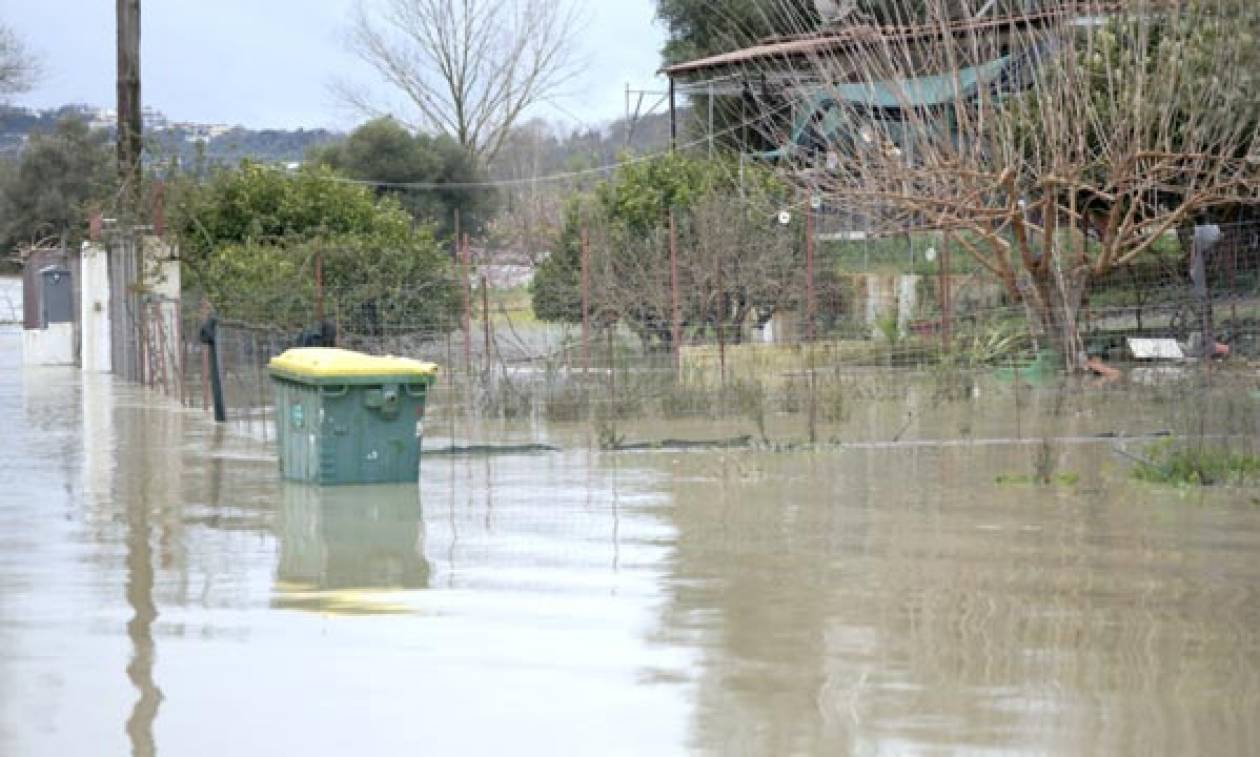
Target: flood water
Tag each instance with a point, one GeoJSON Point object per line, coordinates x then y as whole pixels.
{"type": "Point", "coordinates": [162, 592]}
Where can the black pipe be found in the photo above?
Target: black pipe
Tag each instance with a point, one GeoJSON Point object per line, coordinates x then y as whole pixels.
{"type": "Point", "coordinates": [210, 338]}
{"type": "Point", "coordinates": [673, 117]}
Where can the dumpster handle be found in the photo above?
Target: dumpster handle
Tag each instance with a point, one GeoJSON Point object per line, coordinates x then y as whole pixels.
{"type": "Point", "coordinates": [411, 392]}
{"type": "Point", "coordinates": [338, 391]}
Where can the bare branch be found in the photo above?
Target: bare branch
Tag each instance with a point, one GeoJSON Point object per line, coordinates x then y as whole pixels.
{"type": "Point", "coordinates": [469, 68]}
{"type": "Point", "coordinates": [1077, 133]}
{"type": "Point", "coordinates": [19, 68]}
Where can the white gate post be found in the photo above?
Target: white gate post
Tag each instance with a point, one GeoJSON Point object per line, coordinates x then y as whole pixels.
{"type": "Point", "coordinates": [96, 353]}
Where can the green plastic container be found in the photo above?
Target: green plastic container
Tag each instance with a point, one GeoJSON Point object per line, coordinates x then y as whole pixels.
{"type": "Point", "coordinates": [343, 417]}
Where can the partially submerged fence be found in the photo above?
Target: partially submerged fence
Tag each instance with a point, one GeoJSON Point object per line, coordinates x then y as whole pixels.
{"type": "Point", "coordinates": [860, 315]}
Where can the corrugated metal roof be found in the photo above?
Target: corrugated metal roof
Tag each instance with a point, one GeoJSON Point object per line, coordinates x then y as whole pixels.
{"type": "Point", "coordinates": [817, 43]}
{"type": "Point", "coordinates": [795, 48]}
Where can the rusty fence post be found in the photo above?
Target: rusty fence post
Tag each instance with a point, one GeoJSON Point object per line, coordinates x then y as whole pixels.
{"type": "Point", "coordinates": [676, 308]}
{"type": "Point", "coordinates": [586, 301]}
{"type": "Point", "coordinates": [810, 304]}
{"type": "Point", "coordinates": [319, 288]}
{"type": "Point", "coordinates": [947, 296]}
{"type": "Point", "coordinates": [485, 322]}
{"type": "Point", "coordinates": [720, 312]}
{"type": "Point", "coordinates": [467, 266]}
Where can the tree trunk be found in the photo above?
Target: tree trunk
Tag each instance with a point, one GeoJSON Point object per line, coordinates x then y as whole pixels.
{"type": "Point", "coordinates": [1053, 300]}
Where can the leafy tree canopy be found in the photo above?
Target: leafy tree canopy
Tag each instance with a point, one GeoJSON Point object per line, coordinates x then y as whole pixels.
{"type": "Point", "coordinates": [383, 150]}
{"type": "Point", "coordinates": [251, 235]}
{"type": "Point", "coordinates": [47, 194]}
{"type": "Point", "coordinates": [633, 207]}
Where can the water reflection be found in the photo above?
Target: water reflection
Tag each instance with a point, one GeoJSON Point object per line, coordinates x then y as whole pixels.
{"type": "Point", "coordinates": [149, 490]}
{"type": "Point", "coordinates": [140, 631]}
{"type": "Point", "coordinates": [845, 609]}
{"type": "Point", "coordinates": [342, 549]}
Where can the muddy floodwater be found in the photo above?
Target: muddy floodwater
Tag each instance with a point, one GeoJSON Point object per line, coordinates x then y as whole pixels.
{"type": "Point", "coordinates": [163, 592]}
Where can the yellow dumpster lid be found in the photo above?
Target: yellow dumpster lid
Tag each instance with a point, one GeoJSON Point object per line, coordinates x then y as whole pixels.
{"type": "Point", "coordinates": [332, 363]}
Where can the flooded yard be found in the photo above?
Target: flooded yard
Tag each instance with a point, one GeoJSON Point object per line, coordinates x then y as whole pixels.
{"type": "Point", "coordinates": [162, 591]}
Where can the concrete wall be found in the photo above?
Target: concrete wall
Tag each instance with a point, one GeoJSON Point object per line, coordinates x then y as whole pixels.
{"type": "Point", "coordinates": [51, 346]}
{"type": "Point", "coordinates": [913, 297]}
{"type": "Point", "coordinates": [94, 312]}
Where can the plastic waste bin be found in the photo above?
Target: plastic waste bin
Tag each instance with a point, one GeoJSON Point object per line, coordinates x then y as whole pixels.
{"type": "Point", "coordinates": [343, 417]}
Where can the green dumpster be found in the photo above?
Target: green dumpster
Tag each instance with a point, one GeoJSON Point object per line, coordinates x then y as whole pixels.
{"type": "Point", "coordinates": [343, 417]}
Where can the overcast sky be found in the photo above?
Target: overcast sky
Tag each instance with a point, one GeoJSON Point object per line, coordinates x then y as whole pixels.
{"type": "Point", "coordinates": [268, 63]}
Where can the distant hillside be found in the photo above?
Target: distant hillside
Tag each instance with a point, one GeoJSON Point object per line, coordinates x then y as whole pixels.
{"type": "Point", "coordinates": [535, 148]}
{"type": "Point", "coordinates": [237, 144]}
{"type": "Point", "coordinates": [191, 144]}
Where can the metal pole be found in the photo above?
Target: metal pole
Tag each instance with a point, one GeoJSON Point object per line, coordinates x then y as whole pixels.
{"type": "Point", "coordinates": [467, 261]}
{"type": "Point", "coordinates": [711, 145]}
{"type": "Point", "coordinates": [947, 297]}
{"type": "Point", "coordinates": [205, 372]}
{"type": "Point", "coordinates": [1233, 287]}
{"type": "Point", "coordinates": [612, 383]}
{"type": "Point", "coordinates": [455, 238]}
{"type": "Point", "coordinates": [720, 312]}
{"type": "Point", "coordinates": [319, 288]}
{"type": "Point", "coordinates": [259, 381]}
{"type": "Point", "coordinates": [210, 338]}
{"type": "Point", "coordinates": [629, 126]}
{"type": "Point", "coordinates": [673, 117]}
{"type": "Point", "coordinates": [810, 306]}
{"type": "Point", "coordinates": [586, 301]}
{"type": "Point", "coordinates": [485, 318]}
{"type": "Point", "coordinates": [676, 319]}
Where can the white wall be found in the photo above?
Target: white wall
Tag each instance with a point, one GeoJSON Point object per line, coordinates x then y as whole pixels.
{"type": "Point", "coordinates": [95, 352]}
{"type": "Point", "coordinates": [51, 346]}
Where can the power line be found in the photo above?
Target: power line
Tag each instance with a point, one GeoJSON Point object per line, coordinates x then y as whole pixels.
{"type": "Point", "coordinates": [598, 170]}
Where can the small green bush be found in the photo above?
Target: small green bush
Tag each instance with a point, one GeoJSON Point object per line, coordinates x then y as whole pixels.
{"type": "Point", "coordinates": [1197, 466]}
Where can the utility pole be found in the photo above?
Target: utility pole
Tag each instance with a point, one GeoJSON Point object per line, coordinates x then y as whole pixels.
{"type": "Point", "coordinates": [130, 118]}
{"type": "Point", "coordinates": [127, 253]}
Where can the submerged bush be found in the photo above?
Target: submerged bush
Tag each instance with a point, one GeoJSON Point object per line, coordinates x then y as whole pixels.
{"type": "Point", "coordinates": [1197, 466]}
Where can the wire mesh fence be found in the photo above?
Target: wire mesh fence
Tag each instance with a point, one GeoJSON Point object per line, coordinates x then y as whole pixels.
{"type": "Point", "coordinates": [798, 364]}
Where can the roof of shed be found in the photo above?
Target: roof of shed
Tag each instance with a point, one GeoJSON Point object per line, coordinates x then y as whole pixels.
{"type": "Point", "coordinates": [835, 40]}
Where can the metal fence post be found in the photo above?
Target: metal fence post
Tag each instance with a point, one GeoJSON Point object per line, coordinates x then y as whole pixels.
{"type": "Point", "coordinates": [485, 322]}
{"type": "Point", "coordinates": [676, 316]}
{"type": "Point", "coordinates": [467, 261]}
{"type": "Point", "coordinates": [810, 306]}
{"type": "Point", "coordinates": [586, 301]}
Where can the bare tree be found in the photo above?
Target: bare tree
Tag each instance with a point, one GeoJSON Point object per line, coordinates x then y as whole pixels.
{"type": "Point", "coordinates": [469, 68]}
{"type": "Point", "coordinates": [18, 66]}
{"type": "Point", "coordinates": [1055, 145]}
{"type": "Point", "coordinates": [532, 212]}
